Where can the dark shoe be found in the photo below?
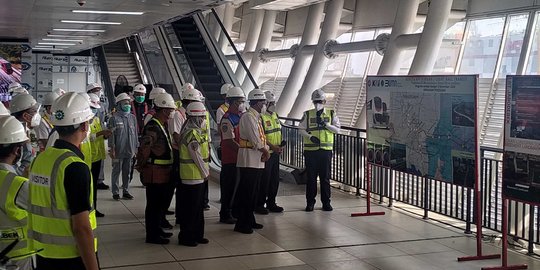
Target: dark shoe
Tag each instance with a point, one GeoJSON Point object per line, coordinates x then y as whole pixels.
{"type": "Point", "coordinates": [245, 231]}
{"type": "Point", "coordinates": [99, 214]}
{"type": "Point", "coordinates": [309, 208]}
{"type": "Point", "coordinates": [261, 210]}
{"type": "Point", "coordinates": [166, 225]}
{"type": "Point", "coordinates": [206, 207]}
{"type": "Point", "coordinates": [102, 186]}
{"type": "Point", "coordinates": [229, 220]}
{"type": "Point", "coordinates": [127, 196]}
{"type": "Point", "coordinates": [116, 197]}
{"type": "Point", "coordinates": [157, 240]}
{"type": "Point", "coordinates": [327, 207]}
{"type": "Point", "coordinates": [203, 241]}
{"type": "Point", "coordinates": [187, 243]}
{"type": "Point", "coordinates": [166, 234]}
{"type": "Point", "coordinates": [168, 213]}
{"type": "Point", "coordinates": [257, 226]}
{"type": "Point", "coordinates": [275, 209]}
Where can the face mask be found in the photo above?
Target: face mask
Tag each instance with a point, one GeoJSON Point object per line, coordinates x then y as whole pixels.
{"type": "Point", "coordinates": [271, 108]}
{"type": "Point", "coordinates": [126, 108]}
{"type": "Point", "coordinates": [139, 99]}
{"type": "Point", "coordinates": [319, 106]}
{"type": "Point", "coordinates": [94, 110]}
{"type": "Point", "coordinates": [36, 119]}
{"type": "Point", "coordinates": [171, 115]}
{"type": "Point", "coordinates": [242, 107]}
{"type": "Point", "coordinates": [203, 123]}
{"type": "Point", "coordinates": [263, 109]}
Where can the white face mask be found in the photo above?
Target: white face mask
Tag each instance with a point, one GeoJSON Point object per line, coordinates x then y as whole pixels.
{"type": "Point", "coordinates": [263, 109]}
{"type": "Point", "coordinates": [36, 119]}
{"type": "Point", "coordinates": [171, 115]}
{"type": "Point", "coordinates": [319, 106]}
{"type": "Point", "coordinates": [271, 108]}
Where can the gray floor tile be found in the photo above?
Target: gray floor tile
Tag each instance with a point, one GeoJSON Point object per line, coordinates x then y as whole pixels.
{"type": "Point", "coordinates": [400, 263]}
{"type": "Point", "coordinates": [220, 263]}
{"type": "Point", "coordinates": [373, 251]}
{"type": "Point", "coordinates": [344, 265]}
{"type": "Point", "coordinates": [271, 260]}
{"type": "Point", "coordinates": [323, 255]}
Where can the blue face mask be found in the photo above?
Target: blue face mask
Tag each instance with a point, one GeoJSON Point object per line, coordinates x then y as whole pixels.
{"type": "Point", "coordinates": [126, 108]}
{"type": "Point", "coordinates": [94, 110]}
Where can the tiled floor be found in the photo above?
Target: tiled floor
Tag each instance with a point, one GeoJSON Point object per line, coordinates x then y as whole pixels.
{"type": "Point", "coordinates": [293, 240]}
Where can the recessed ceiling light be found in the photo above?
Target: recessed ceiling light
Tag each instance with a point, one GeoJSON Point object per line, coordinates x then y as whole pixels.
{"type": "Point", "coordinates": [70, 36]}
{"type": "Point", "coordinates": [46, 49]}
{"type": "Point", "coordinates": [78, 30]}
{"type": "Point", "coordinates": [64, 40]}
{"type": "Point", "coordinates": [54, 43]}
{"type": "Point", "coordinates": [91, 22]}
{"type": "Point", "coordinates": [108, 12]}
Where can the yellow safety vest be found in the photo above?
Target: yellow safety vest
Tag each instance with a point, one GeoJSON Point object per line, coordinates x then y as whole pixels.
{"type": "Point", "coordinates": [272, 128]}
{"type": "Point", "coordinates": [98, 145]}
{"type": "Point", "coordinates": [86, 149]}
{"type": "Point", "coordinates": [188, 168]}
{"type": "Point", "coordinates": [324, 135]}
{"type": "Point", "coordinates": [163, 161]}
{"type": "Point", "coordinates": [207, 127]}
{"type": "Point", "coordinates": [12, 218]}
{"type": "Point", "coordinates": [247, 144]}
{"type": "Point", "coordinates": [49, 218]}
{"type": "Point", "coordinates": [224, 107]}
{"type": "Point", "coordinates": [46, 118]}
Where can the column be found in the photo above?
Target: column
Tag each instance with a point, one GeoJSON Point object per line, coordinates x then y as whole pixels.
{"type": "Point", "coordinates": [228, 20]}
{"type": "Point", "coordinates": [265, 37]}
{"type": "Point", "coordinates": [319, 61]}
{"type": "Point", "coordinates": [256, 23]}
{"type": "Point", "coordinates": [432, 36]}
{"type": "Point", "coordinates": [301, 61]}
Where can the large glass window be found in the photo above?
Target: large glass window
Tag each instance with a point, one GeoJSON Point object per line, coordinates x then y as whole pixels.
{"type": "Point", "coordinates": [513, 45]}
{"type": "Point", "coordinates": [479, 57]}
{"type": "Point", "coordinates": [449, 51]}
{"type": "Point", "coordinates": [358, 61]}
{"type": "Point", "coordinates": [336, 66]}
{"type": "Point", "coordinates": [286, 64]}
{"type": "Point", "coordinates": [533, 66]}
{"type": "Point", "coordinates": [156, 61]}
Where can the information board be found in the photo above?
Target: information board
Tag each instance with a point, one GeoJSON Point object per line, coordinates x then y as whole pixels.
{"type": "Point", "coordinates": [424, 125]}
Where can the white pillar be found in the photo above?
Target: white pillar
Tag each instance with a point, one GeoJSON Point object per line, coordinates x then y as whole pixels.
{"type": "Point", "coordinates": [432, 37]}
{"type": "Point", "coordinates": [251, 42]}
{"type": "Point", "coordinates": [228, 20]}
{"type": "Point", "coordinates": [265, 37]}
{"type": "Point", "coordinates": [403, 24]}
{"type": "Point", "coordinates": [216, 30]}
{"type": "Point", "coordinates": [319, 61]}
{"type": "Point", "coordinates": [301, 61]}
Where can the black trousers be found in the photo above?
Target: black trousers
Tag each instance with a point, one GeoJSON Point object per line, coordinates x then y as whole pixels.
{"type": "Point", "coordinates": [95, 170]}
{"type": "Point", "coordinates": [61, 264]}
{"type": "Point", "coordinates": [269, 182]}
{"type": "Point", "coordinates": [155, 203]}
{"type": "Point", "coordinates": [248, 190]}
{"type": "Point", "coordinates": [227, 181]}
{"type": "Point", "coordinates": [318, 165]}
{"type": "Point", "coordinates": [191, 212]}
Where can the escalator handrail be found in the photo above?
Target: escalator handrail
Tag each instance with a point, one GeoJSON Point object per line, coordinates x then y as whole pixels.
{"type": "Point", "coordinates": [240, 59]}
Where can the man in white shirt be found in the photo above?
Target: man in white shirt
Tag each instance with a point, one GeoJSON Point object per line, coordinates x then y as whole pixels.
{"type": "Point", "coordinates": [252, 155]}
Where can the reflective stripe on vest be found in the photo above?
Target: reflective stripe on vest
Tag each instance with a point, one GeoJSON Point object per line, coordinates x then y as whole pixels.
{"type": "Point", "coordinates": [247, 144]}
{"type": "Point", "coordinates": [188, 168]}
{"type": "Point", "coordinates": [224, 107]}
{"type": "Point", "coordinates": [49, 219]}
{"type": "Point", "coordinates": [324, 135]}
{"type": "Point", "coordinates": [98, 145]}
{"type": "Point", "coordinates": [272, 128]}
{"type": "Point", "coordinates": [163, 161]}
{"type": "Point", "coordinates": [13, 220]}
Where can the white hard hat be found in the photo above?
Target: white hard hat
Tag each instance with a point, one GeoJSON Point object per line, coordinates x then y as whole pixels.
{"type": "Point", "coordinates": [139, 88]}
{"type": "Point", "coordinates": [50, 98]}
{"type": "Point", "coordinates": [59, 91]}
{"type": "Point", "coordinates": [256, 94]}
{"type": "Point", "coordinates": [187, 86]}
{"type": "Point", "coordinates": [270, 97]}
{"type": "Point", "coordinates": [156, 91]}
{"type": "Point", "coordinates": [4, 110]}
{"type": "Point", "coordinates": [85, 96]}
{"type": "Point", "coordinates": [122, 96]}
{"type": "Point", "coordinates": [196, 109]}
{"type": "Point", "coordinates": [318, 95]}
{"type": "Point", "coordinates": [164, 101]}
{"type": "Point", "coordinates": [71, 109]}
{"type": "Point", "coordinates": [92, 86]}
{"type": "Point", "coordinates": [225, 88]}
{"type": "Point", "coordinates": [13, 85]}
{"type": "Point", "coordinates": [236, 92]}
{"type": "Point", "coordinates": [22, 102]}
{"type": "Point", "coordinates": [192, 94]}
{"type": "Point", "coordinates": [11, 130]}
{"type": "Point", "coordinates": [18, 90]}
{"type": "Point", "coordinates": [94, 101]}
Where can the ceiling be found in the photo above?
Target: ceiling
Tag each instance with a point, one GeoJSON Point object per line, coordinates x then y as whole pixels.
{"type": "Point", "coordinates": [34, 19]}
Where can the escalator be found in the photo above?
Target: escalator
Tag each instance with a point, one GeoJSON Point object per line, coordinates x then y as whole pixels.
{"type": "Point", "coordinates": [121, 62]}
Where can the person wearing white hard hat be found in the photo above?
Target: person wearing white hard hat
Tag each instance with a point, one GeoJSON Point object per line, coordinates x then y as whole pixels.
{"type": "Point", "coordinates": [4, 110]}
{"type": "Point", "coordinates": [154, 162]}
{"type": "Point", "coordinates": [14, 203]}
{"type": "Point", "coordinates": [26, 109]}
{"type": "Point", "coordinates": [59, 91]}
{"type": "Point", "coordinates": [266, 201]}
{"type": "Point", "coordinates": [318, 127]}
{"type": "Point", "coordinates": [13, 85]}
{"type": "Point", "coordinates": [17, 91]}
{"type": "Point", "coordinates": [45, 127]}
{"type": "Point", "coordinates": [122, 144]}
{"type": "Point", "coordinates": [174, 125]}
{"type": "Point", "coordinates": [95, 88]}
{"type": "Point", "coordinates": [225, 106]}
{"type": "Point", "coordinates": [60, 171]}
{"type": "Point", "coordinates": [153, 94]}
{"type": "Point", "coordinates": [194, 172]}
{"type": "Point", "coordinates": [230, 139]}
{"type": "Point", "coordinates": [252, 155]}
{"type": "Point", "coordinates": [139, 107]}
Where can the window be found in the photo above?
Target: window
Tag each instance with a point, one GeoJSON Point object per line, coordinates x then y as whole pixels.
{"type": "Point", "coordinates": [533, 66]}
{"type": "Point", "coordinates": [449, 51]}
{"type": "Point", "coordinates": [358, 61]}
{"type": "Point", "coordinates": [287, 63]}
{"type": "Point", "coordinates": [490, 43]}
{"type": "Point", "coordinates": [513, 45]}
{"type": "Point", "coordinates": [484, 57]}
{"type": "Point", "coordinates": [156, 60]}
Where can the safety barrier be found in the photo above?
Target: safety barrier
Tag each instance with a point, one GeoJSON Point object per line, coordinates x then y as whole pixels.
{"type": "Point", "coordinates": [444, 198]}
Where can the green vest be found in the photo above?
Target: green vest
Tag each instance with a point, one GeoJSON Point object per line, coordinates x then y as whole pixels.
{"type": "Point", "coordinates": [49, 218]}
{"type": "Point", "coordinates": [98, 145]}
{"type": "Point", "coordinates": [272, 128]}
{"type": "Point", "coordinates": [325, 136]}
{"type": "Point", "coordinates": [86, 149]}
{"type": "Point", "coordinates": [188, 168]}
{"type": "Point", "coordinates": [206, 129]}
{"type": "Point", "coordinates": [12, 218]}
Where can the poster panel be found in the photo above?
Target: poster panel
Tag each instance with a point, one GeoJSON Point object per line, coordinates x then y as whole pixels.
{"type": "Point", "coordinates": [521, 158]}
{"type": "Point", "coordinates": [424, 125]}
{"type": "Point", "coordinates": [10, 67]}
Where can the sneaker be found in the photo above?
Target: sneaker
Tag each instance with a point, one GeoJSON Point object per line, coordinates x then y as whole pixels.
{"type": "Point", "coordinates": [127, 196]}
{"type": "Point", "coordinates": [99, 214]}
{"type": "Point", "coordinates": [275, 209]}
{"type": "Point", "coordinates": [102, 186]}
{"type": "Point", "coordinates": [309, 208]}
{"type": "Point", "coordinates": [203, 241]}
{"type": "Point", "coordinates": [261, 210]}
{"type": "Point", "coordinates": [257, 226]}
{"type": "Point", "coordinates": [157, 240]}
{"type": "Point", "coordinates": [327, 207]}
{"type": "Point", "coordinates": [116, 197]}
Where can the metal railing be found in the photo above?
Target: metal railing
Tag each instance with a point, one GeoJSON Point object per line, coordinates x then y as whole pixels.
{"type": "Point", "coordinates": [431, 195]}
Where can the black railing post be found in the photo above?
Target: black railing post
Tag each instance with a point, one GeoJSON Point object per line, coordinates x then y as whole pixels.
{"type": "Point", "coordinates": [530, 247]}
{"type": "Point", "coordinates": [468, 218]}
{"type": "Point", "coordinates": [426, 198]}
{"type": "Point", "coordinates": [391, 189]}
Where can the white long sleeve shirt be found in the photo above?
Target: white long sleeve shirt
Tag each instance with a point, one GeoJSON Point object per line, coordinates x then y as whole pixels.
{"type": "Point", "coordinates": [250, 130]}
